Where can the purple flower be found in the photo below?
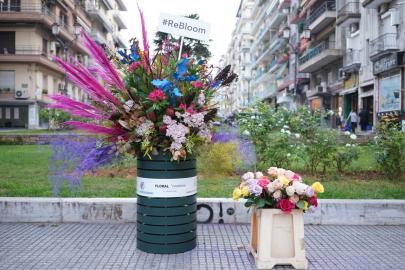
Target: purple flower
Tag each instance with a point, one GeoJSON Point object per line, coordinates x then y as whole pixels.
{"type": "Point", "coordinates": [255, 190]}
{"type": "Point", "coordinates": [309, 191]}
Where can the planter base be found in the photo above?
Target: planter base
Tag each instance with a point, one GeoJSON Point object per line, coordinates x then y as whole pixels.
{"type": "Point", "coordinates": [278, 239]}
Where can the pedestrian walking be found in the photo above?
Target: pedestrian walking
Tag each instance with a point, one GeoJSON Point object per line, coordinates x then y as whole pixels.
{"type": "Point", "coordinates": [353, 120]}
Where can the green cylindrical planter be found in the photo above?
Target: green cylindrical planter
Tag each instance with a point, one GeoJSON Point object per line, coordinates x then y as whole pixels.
{"type": "Point", "coordinates": [166, 205]}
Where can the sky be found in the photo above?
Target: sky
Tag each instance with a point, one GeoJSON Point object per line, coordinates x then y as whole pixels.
{"type": "Point", "coordinates": [221, 14]}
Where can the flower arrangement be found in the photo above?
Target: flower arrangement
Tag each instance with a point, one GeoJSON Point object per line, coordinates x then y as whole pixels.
{"type": "Point", "coordinates": [145, 104]}
{"type": "Point", "coordinates": [281, 189]}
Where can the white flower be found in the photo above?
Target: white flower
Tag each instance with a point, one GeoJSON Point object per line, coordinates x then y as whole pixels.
{"type": "Point", "coordinates": [260, 125]}
{"type": "Point", "coordinates": [128, 105]}
{"type": "Point", "coordinates": [348, 145]}
{"type": "Point", "coordinates": [246, 132]}
{"type": "Point", "coordinates": [280, 171]}
{"type": "Point", "coordinates": [347, 133]}
{"type": "Point", "coordinates": [286, 127]}
{"type": "Point", "coordinates": [270, 187]}
{"type": "Point", "coordinates": [277, 194]}
{"type": "Point", "coordinates": [353, 136]}
{"type": "Point", "coordinates": [248, 175]}
{"type": "Point", "coordinates": [297, 135]}
{"type": "Point", "coordinates": [288, 155]}
{"type": "Point", "coordinates": [282, 130]}
{"type": "Point", "coordinates": [300, 188]}
{"type": "Point", "coordinates": [288, 132]}
{"type": "Point", "coordinates": [375, 137]}
{"type": "Point", "coordinates": [259, 175]}
{"type": "Point", "coordinates": [290, 190]}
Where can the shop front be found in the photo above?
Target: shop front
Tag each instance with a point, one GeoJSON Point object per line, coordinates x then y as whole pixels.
{"type": "Point", "coordinates": [389, 73]}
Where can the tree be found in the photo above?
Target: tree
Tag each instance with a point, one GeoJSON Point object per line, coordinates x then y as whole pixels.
{"type": "Point", "coordinates": [192, 47]}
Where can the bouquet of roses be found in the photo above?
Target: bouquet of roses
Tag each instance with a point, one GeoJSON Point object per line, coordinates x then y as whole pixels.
{"type": "Point", "coordinates": [282, 189]}
{"type": "Point", "coordinates": [145, 104]}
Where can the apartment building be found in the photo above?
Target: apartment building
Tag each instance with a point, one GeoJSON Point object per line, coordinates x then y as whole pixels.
{"type": "Point", "coordinates": [31, 32]}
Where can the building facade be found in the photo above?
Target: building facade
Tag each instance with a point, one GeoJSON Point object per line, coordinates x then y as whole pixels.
{"type": "Point", "coordinates": [337, 56]}
{"type": "Point", "coordinates": [31, 32]}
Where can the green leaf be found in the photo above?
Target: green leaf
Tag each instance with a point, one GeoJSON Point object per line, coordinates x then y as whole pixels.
{"type": "Point", "coordinates": [249, 202]}
{"type": "Point", "coordinates": [300, 204]}
{"type": "Point", "coordinates": [260, 203]}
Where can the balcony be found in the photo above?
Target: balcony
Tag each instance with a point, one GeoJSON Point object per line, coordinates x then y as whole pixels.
{"type": "Point", "coordinates": [319, 56]}
{"type": "Point", "coordinates": [384, 44]}
{"type": "Point", "coordinates": [119, 40]}
{"type": "Point", "coordinates": [122, 6]}
{"type": "Point", "coordinates": [351, 61]}
{"type": "Point", "coordinates": [119, 19]}
{"type": "Point", "coordinates": [28, 54]}
{"type": "Point", "coordinates": [95, 12]}
{"type": "Point", "coordinates": [97, 37]}
{"type": "Point", "coordinates": [374, 3]}
{"type": "Point", "coordinates": [348, 14]}
{"type": "Point", "coordinates": [108, 4]}
{"type": "Point", "coordinates": [322, 17]}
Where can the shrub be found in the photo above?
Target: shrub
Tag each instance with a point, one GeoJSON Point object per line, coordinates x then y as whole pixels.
{"type": "Point", "coordinates": [389, 150]}
{"type": "Point", "coordinates": [218, 159]}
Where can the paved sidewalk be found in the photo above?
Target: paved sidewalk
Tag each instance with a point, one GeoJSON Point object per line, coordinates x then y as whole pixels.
{"type": "Point", "coordinates": [220, 246]}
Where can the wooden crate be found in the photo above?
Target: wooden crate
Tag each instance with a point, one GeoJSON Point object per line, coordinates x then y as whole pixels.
{"type": "Point", "coordinates": [277, 238]}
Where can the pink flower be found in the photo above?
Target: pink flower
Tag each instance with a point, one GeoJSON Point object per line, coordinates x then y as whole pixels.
{"type": "Point", "coordinates": [285, 205]}
{"type": "Point", "coordinates": [289, 174]}
{"type": "Point", "coordinates": [263, 182]}
{"type": "Point", "coordinates": [272, 171]}
{"type": "Point", "coordinates": [296, 177]}
{"type": "Point", "coordinates": [157, 95]}
{"type": "Point", "coordinates": [197, 84]}
{"type": "Point", "coordinates": [294, 199]}
{"type": "Point", "coordinates": [134, 66]}
{"type": "Point", "coordinates": [313, 201]}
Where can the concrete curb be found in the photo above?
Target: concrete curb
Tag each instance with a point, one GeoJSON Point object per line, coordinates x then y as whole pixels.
{"type": "Point", "coordinates": [210, 210]}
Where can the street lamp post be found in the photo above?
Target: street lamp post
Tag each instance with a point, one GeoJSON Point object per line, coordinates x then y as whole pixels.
{"type": "Point", "coordinates": [65, 45]}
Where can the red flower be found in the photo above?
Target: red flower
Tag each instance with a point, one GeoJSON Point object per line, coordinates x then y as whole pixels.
{"type": "Point", "coordinates": [134, 66]}
{"type": "Point", "coordinates": [285, 205]}
{"type": "Point", "coordinates": [182, 106]}
{"type": "Point", "coordinates": [152, 116]}
{"type": "Point", "coordinates": [313, 201]}
{"type": "Point", "coordinates": [157, 95]}
{"type": "Point", "coordinates": [197, 84]}
{"type": "Point", "coordinates": [170, 112]}
{"type": "Point", "coordinates": [162, 129]}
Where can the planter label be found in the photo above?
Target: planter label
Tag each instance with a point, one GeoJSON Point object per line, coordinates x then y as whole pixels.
{"type": "Point", "coordinates": [166, 188]}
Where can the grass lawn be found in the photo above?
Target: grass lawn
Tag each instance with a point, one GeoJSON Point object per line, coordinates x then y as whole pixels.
{"type": "Point", "coordinates": [24, 172]}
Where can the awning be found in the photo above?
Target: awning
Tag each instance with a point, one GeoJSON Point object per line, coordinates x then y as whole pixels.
{"type": "Point", "coordinates": [349, 91]}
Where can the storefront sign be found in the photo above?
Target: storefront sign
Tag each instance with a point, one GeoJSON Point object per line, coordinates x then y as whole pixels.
{"type": "Point", "coordinates": [387, 63]}
{"type": "Point", "coordinates": [166, 188]}
{"type": "Point", "coordinates": [389, 94]}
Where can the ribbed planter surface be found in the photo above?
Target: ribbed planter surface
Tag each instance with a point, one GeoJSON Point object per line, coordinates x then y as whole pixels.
{"type": "Point", "coordinates": [166, 205]}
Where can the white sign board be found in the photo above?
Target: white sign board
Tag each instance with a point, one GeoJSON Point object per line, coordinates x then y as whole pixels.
{"type": "Point", "coordinates": [184, 27]}
{"type": "Point", "coordinates": [166, 188]}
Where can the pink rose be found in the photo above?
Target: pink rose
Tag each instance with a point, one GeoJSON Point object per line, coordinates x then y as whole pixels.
{"type": "Point", "coordinates": [294, 199]}
{"type": "Point", "coordinates": [263, 182]}
{"type": "Point", "coordinates": [289, 174]}
{"type": "Point", "coordinates": [285, 205]}
{"type": "Point", "coordinates": [272, 171]}
{"type": "Point", "coordinates": [296, 177]}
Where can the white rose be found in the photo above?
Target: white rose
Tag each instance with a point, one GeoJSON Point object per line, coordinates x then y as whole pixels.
{"type": "Point", "coordinates": [270, 187]}
{"type": "Point", "coordinates": [290, 190]}
{"type": "Point", "coordinates": [347, 133]}
{"type": "Point", "coordinates": [348, 145]}
{"type": "Point", "coordinates": [353, 136]}
{"type": "Point", "coordinates": [297, 135]}
{"type": "Point", "coordinates": [300, 188]}
{"type": "Point", "coordinates": [280, 171]}
{"type": "Point", "coordinates": [248, 175]}
{"type": "Point", "coordinates": [282, 130]}
{"type": "Point", "coordinates": [246, 133]}
{"type": "Point", "coordinates": [277, 194]}
{"type": "Point", "coordinates": [259, 175]}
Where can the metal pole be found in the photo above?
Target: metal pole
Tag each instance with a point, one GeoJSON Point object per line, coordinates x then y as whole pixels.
{"type": "Point", "coordinates": [181, 47]}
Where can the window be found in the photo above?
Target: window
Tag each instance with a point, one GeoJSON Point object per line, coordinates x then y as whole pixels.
{"type": "Point", "coordinates": [10, 5]}
{"type": "Point", "coordinates": [44, 46]}
{"type": "Point", "coordinates": [16, 113]}
{"type": "Point", "coordinates": [8, 113]}
{"type": "Point", "coordinates": [7, 80]}
{"type": "Point", "coordinates": [7, 42]}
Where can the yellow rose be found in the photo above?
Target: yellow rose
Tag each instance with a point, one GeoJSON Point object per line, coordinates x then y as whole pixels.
{"type": "Point", "coordinates": [236, 194]}
{"type": "Point", "coordinates": [284, 180]}
{"type": "Point", "coordinates": [305, 205]}
{"type": "Point", "coordinates": [245, 191]}
{"type": "Point", "coordinates": [318, 188]}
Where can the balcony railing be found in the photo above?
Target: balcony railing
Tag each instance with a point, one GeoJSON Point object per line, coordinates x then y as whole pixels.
{"type": "Point", "coordinates": [352, 57]}
{"type": "Point", "coordinates": [350, 8]}
{"type": "Point", "coordinates": [327, 6]}
{"type": "Point", "coordinates": [24, 50]}
{"type": "Point", "coordinates": [317, 50]}
{"type": "Point", "coordinates": [26, 8]}
{"type": "Point", "coordinates": [383, 43]}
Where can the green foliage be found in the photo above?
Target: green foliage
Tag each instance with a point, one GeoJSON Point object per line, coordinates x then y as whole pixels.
{"type": "Point", "coordinates": [389, 150]}
{"type": "Point", "coordinates": [55, 117]}
{"type": "Point", "coordinates": [218, 159]}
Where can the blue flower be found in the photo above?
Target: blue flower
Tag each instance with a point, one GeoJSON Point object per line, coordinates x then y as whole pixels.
{"type": "Point", "coordinates": [134, 52]}
{"type": "Point", "coordinates": [191, 78]}
{"type": "Point", "coordinates": [201, 61]}
{"type": "Point", "coordinates": [182, 67]}
{"type": "Point", "coordinates": [162, 84]}
{"type": "Point", "coordinates": [177, 92]}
